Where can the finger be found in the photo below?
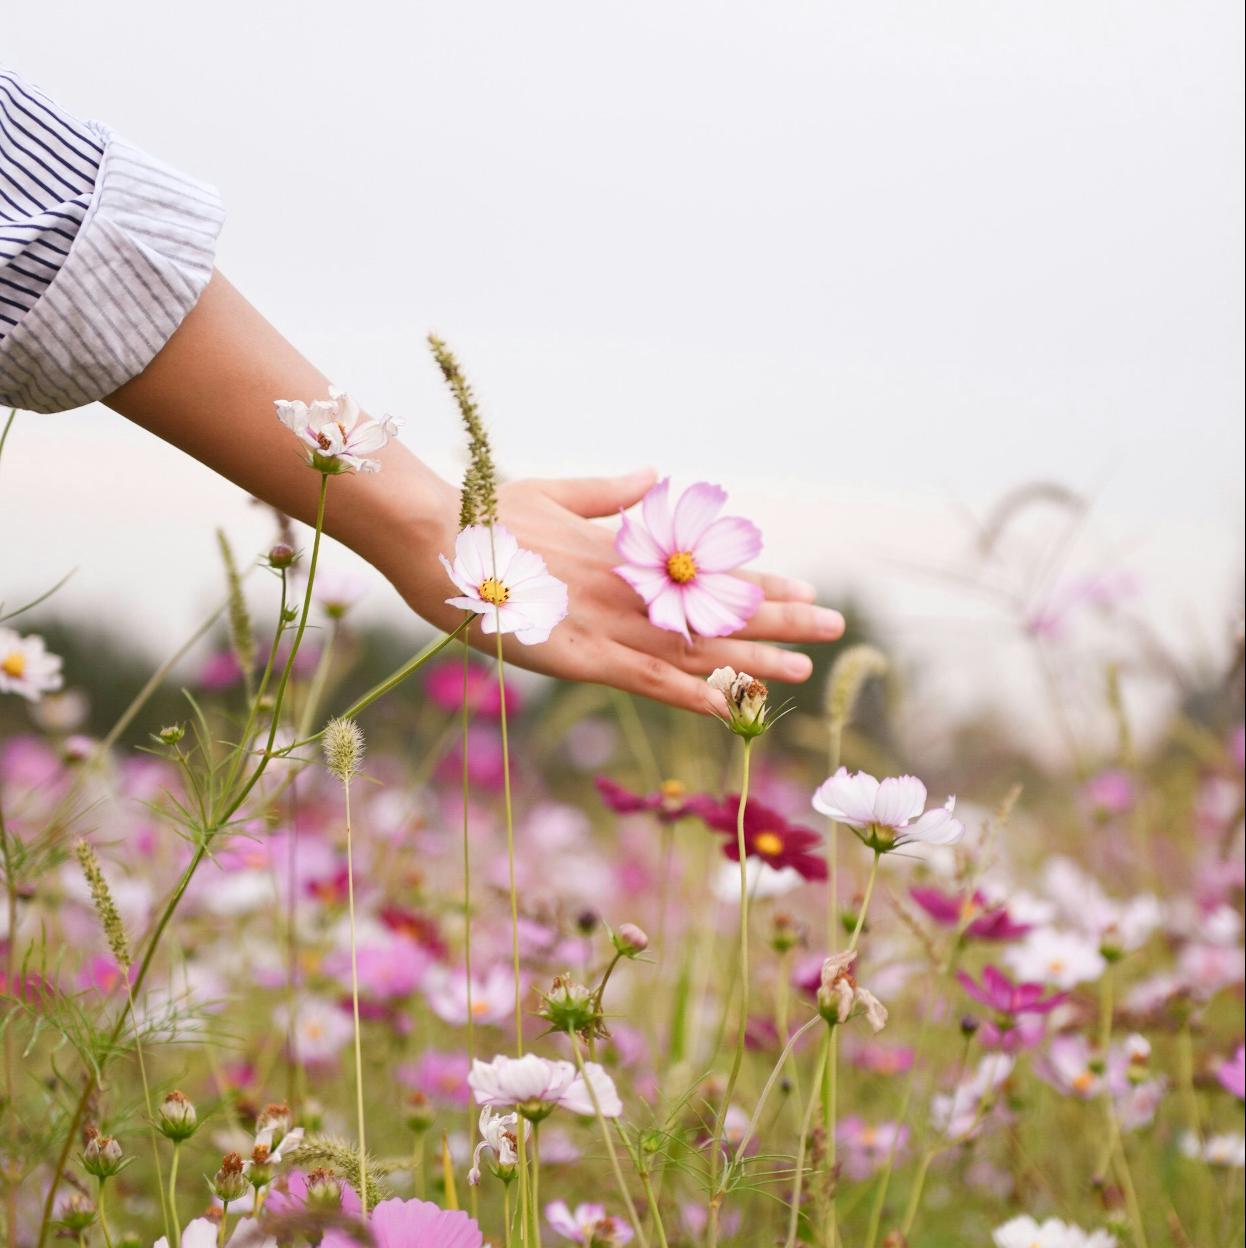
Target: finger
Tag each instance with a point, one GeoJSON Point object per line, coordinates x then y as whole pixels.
{"type": "Point", "coordinates": [781, 588]}
{"type": "Point", "coordinates": [794, 621]}
{"type": "Point", "coordinates": [706, 653]}
{"type": "Point", "coordinates": [600, 496]}
{"type": "Point", "coordinates": [653, 677]}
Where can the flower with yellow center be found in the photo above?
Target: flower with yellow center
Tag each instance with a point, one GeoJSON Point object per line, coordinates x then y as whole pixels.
{"type": "Point", "coordinates": [681, 567]}
{"type": "Point", "coordinates": [493, 591]}
{"type": "Point", "coordinates": [769, 844]}
{"type": "Point", "coordinates": [26, 668]}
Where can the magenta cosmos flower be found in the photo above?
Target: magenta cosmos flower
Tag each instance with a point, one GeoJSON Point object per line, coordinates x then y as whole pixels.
{"type": "Point", "coordinates": [413, 1224]}
{"type": "Point", "coordinates": [680, 562]}
{"type": "Point", "coordinates": [668, 802]}
{"type": "Point", "coordinates": [999, 993]}
{"type": "Point", "coordinates": [980, 917]}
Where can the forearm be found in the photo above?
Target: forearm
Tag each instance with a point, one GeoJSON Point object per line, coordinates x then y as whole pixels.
{"type": "Point", "coordinates": [210, 392]}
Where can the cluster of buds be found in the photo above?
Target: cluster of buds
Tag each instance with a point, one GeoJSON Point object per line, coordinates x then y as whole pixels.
{"type": "Point", "coordinates": [102, 1155]}
{"type": "Point", "coordinates": [840, 997]}
{"type": "Point", "coordinates": [746, 701]}
{"type": "Point", "coordinates": [178, 1120]}
{"type": "Point", "coordinates": [572, 1008]}
{"type": "Point", "coordinates": [498, 1136]}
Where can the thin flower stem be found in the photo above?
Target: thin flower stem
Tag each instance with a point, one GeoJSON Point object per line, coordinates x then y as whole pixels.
{"type": "Point", "coordinates": [473, 1198]}
{"type": "Point", "coordinates": [176, 1238]}
{"type": "Point", "coordinates": [10, 975]}
{"type": "Point", "coordinates": [103, 1217]}
{"type": "Point", "coordinates": [830, 1082]}
{"type": "Point", "coordinates": [915, 1196]}
{"type": "Point", "coordinates": [865, 902]}
{"type": "Point", "coordinates": [793, 1224]}
{"type": "Point", "coordinates": [534, 1177]}
{"type": "Point", "coordinates": [171, 1229]}
{"type": "Point", "coordinates": [611, 1152]}
{"type": "Point", "coordinates": [737, 1061]}
{"type": "Point", "coordinates": [746, 1139]}
{"type": "Point", "coordinates": [506, 1215]}
{"type": "Point", "coordinates": [651, 1200]}
{"type": "Point", "coordinates": [510, 845]}
{"type": "Point", "coordinates": [354, 1001]}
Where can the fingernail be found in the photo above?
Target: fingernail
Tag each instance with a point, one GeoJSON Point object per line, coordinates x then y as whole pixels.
{"type": "Point", "coordinates": [797, 666]}
{"type": "Point", "coordinates": [828, 623]}
{"type": "Point", "coordinates": [801, 591]}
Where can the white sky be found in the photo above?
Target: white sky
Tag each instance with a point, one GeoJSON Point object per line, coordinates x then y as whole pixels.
{"type": "Point", "coordinates": [868, 265]}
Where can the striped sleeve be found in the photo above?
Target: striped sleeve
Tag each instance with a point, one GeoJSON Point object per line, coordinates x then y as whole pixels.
{"type": "Point", "coordinates": [103, 251]}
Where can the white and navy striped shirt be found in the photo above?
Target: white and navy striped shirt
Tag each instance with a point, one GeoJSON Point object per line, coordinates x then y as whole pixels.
{"type": "Point", "coordinates": [103, 251]}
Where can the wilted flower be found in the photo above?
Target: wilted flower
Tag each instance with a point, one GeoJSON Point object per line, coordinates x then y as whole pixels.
{"type": "Point", "coordinates": [680, 563]}
{"type": "Point", "coordinates": [746, 700]}
{"type": "Point", "coordinates": [498, 1135]}
{"type": "Point", "coordinates": [509, 588]}
{"type": "Point", "coordinates": [840, 997]}
{"type": "Point", "coordinates": [336, 438]}
{"type": "Point", "coordinates": [588, 1224]}
{"type": "Point", "coordinates": [26, 667]}
{"type": "Point", "coordinates": [230, 1182]}
{"type": "Point", "coordinates": [889, 814]}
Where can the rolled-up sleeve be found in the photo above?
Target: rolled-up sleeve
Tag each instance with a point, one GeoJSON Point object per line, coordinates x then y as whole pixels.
{"type": "Point", "coordinates": [103, 251]}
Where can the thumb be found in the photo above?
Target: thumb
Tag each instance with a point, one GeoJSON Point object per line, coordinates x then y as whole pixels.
{"type": "Point", "coordinates": [601, 496]}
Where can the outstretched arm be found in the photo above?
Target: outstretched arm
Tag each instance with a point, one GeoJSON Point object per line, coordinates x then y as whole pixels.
{"type": "Point", "coordinates": [210, 391]}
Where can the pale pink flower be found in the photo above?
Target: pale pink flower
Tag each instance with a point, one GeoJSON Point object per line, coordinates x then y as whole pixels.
{"type": "Point", "coordinates": [587, 1224]}
{"type": "Point", "coordinates": [865, 1147]}
{"type": "Point", "coordinates": [887, 814]}
{"type": "Point", "coordinates": [492, 995]}
{"type": "Point", "coordinates": [532, 1081]}
{"type": "Point", "coordinates": [412, 1224]}
{"type": "Point", "coordinates": [509, 588]}
{"type": "Point", "coordinates": [681, 562]}
{"type": "Point", "coordinates": [336, 438]}
{"type": "Point", "coordinates": [26, 667]}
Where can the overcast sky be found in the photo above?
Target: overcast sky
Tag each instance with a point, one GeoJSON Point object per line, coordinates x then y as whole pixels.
{"type": "Point", "coordinates": [869, 265]}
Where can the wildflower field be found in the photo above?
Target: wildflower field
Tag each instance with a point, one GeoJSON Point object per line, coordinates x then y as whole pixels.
{"type": "Point", "coordinates": [308, 940]}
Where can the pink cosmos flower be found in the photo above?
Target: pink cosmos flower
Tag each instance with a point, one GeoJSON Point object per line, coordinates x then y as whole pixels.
{"type": "Point", "coordinates": [444, 686]}
{"type": "Point", "coordinates": [669, 802]}
{"type": "Point", "coordinates": [1232, 1074]}
{"type": "Point", "coordinates": [1111, 792]}
{"type": "Point", "coordinates": [588, 1224]}
{"type": "Point", "coordinates": [1000, 994]}
{"type": "Point", "coordinates": [389, 969]}
{"type": "Point", "coordinates": [492, 995]}
{"type": "Point", "coordinates": [532, 1080]}
{"type": "Point", "coordinates": [887, 814]}
{"type": "Point", "coordinates": [413, 1224]}
{"type": "Point", "coordinates": [508, 587]}
{"type": "Point", "coordinates": [680, 563]}
{"type": "Point", "coordinates": [986, 921]}
{"type": "Point", "coordinates": [336, 438]}
{"type": "Point", "coordinates": [865, 1147]}
{"type": "Point", "coordinates": [441, 1077]}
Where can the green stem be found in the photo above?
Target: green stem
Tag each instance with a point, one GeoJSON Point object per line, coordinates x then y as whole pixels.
{"type": "Point", "coordinates": [608, 1139]}
{"type": "Point", "coordinates": [473, 1198]}
{"type": "Point", "coordinates": [793, 1224]}
{"type": "Point", "coordinates": [176, 1238]}
{"type": "Point", "coordinates": [510, 844]}
{"type": "Point", "coordinates": [865, 902]}
{"type": "Point", "coordinates": [170, 1227]}
{"type": "Point", "coordinates": [915, 1196]}
{"type": "Point", "coordinates": [99, 1209]}
{"type": "Point", "coordinates": [354, 998]}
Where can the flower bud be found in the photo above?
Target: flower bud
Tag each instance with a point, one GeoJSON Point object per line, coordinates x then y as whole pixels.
{"type": "Point", "coordinates": [281, 555]}
{"type": "Point", "coordinates": [746, 700]}
{"type": "Point", "coordinates": [969, 1025]}
{"type": "Point", "coordinates": [171, 734]}
{"type": "Point", "coordinates": [178, 1120]}
{"type": "Point", "coordinates": [324, 1192]}
{"type": "Point", "coordinates": [586, 922]}
{"type": "Point", "coordinates": [76, 1213]}
{"type": "Point", "coordinates": [230, 1182]}
{"type": "Point", "coordinates": [419, 1113]}
{"type": "Point", "coordinates": [260, 1171]}
{"type": "Point", "coordinates": [630, 940]}
{"type": "Point", "coordinates": [572, 1008]}
{"type": "Point", "coordinates": [276, 1119]}
{"type": "Point", "coordinates": [102, 1156]}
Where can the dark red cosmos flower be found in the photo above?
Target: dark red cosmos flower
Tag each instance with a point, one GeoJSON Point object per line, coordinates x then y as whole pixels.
{"type": "Point", "coordinates": [767, 836]}
{"type": "Point", "coordinates": [669, 803]}
{"type": "Point", "coordinates": [987, 921]}
{"type": "Point", "coordinates": [999, 993]}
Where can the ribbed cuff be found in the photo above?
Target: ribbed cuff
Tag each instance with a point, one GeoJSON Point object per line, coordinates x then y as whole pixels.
{"type": "Point", "coordinates": [138, 264]}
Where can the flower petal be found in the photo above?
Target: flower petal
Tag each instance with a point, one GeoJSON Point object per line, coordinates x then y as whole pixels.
{"type": "Point", "coordinates": [695, 512]}
{"type": "Point", "coordinates": [656, 508]}
{"type": "Point", "coordinates": [667, 611]}
{"type": "Point", "coordinates": [726, 544]}
{"type": "Point", "coordinates": [848, 798]}
{"type": "Point", "coordinates": [647, 582]}
{"type": "Point", "coordinates": [710, 614]}
{"type": "Point", "coordinates": [740, 598]}
{"type": "Point", "coordinates": [899, 799]}
{"type": "Point", "coordinates": [635, 544]}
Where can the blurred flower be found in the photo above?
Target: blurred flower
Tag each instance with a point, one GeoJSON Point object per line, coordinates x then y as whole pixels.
{"type": "Point", "coordinates": [412, 1224]}
{"type": "Point", "coordinates": [1232, 1074]}
{"type": "Point", "coordinates": [1062, 959]}
{"type": "Point", "coordinates": [974, 913]}
{"type": "Point", "coordinates": [883, 1059]}
{"type": "Point", "coordinates": [26, 667]}
{"type": "Point", "coordinates": [768, 837]}
{"type": "Point", "coordinates": [444, 686]}
{"type": "Point", "coordinates": [1117, 927]}
{"type": "Point", "coordinates": [441, 1077]}
{"type": "Point", "coordinates": [1216, 1150]}
{"type": "Point", "coordinates": [1000, 994]}
{"type": "Point", "coordinates": [62, 712]}
{"type": "Point", "coordinates": [508, 587]}
{"type": "Point", "coordinates": [535, 1085]}
{"type": "Point", "coordinates": [336, 438]}
{"type": "Point", "coordinates": [959, 1114]}
{"type": "Point", "coordinates": [337, 592]}
{"type": "Point", "coordinates": [669, 802]}
{"type": "Point", "coordinates": [865, 1147]}
{"type": "Point", "coordinates": [889, 814]}
{"type": "Point", "coordinates": [321, 1030]}
{"type": "Point", "coordinates": [680, 563]}
{"type": "Point", "coordinates": [1111, 792]}
{"type": "Point", "coordinates": [588, 1224]}
{"type": "Point", "coordinates": [1104, 590]}
{"type": "Point", "coordinates": [492, 996]}
{"type": "Point", "coordinates": [764, 881]}
{"type": "Point", "coordinates": [1025, 1232]}
{"type": "Point", "coordinates": [220, 671]}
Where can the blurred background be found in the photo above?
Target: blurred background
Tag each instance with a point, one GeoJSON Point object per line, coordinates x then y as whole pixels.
{"type": "Point", "coordinates": [875, 268]}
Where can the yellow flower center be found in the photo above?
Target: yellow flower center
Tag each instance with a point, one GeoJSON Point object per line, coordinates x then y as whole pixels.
{"type": "Point", "coordinates": [493, 591]}
{"type": "Point", "coordinates": [672, 790]}
{"type": "Point", "coordinates": [681, 567]}
{"type": "Point", "coordinates": [479, 1008]}
{"type": "Point", "coordinates": [768, 843]}
{"type": "Point", "coordinates": [14, 664]}
{"type": "Point", "coordinates": [968, 909]}
{"type": "Point", "coordinates": [1084, 1082]}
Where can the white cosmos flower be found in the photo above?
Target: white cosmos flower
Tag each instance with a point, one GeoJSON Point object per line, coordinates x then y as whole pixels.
{"type": "Point", "coordinates": [204, 1233]}
{"type": "Point", "coordinates": [26, 668]}
{"type": "Point", "coordinates": [508, 587]}
{"type": "Point", "coordinates": [1025, 1232]}
{"type": "Point", "coordinates": [1061, 959]}
{"type": "Point", "coordinates": [1216, 1150]}
{"type": "Point", "coordinates": [537, 1085]}
{"type": "Point", "coordinates": [764, 881]}
{"type": "Point", "coordinates": [887, 814]}
{"type": "Point", "coordinates": [331, 429]}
